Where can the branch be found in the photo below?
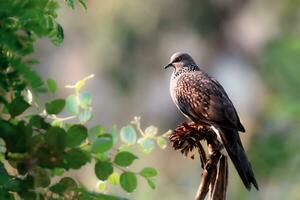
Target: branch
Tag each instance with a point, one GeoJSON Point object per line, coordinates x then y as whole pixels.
{"type": "Point", "coordinates": [214, 178]}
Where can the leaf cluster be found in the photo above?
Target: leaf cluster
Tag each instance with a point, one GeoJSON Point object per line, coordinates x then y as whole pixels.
{"type": "Point", "coordinates": [39, 141]}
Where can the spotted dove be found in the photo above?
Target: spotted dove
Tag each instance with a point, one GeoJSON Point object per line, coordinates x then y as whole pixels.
{"type": "Point", "coordinates": [203, 100]}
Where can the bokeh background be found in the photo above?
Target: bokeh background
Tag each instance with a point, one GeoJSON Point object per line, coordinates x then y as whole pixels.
{"type": "Point", "coordinates": [251, 47]}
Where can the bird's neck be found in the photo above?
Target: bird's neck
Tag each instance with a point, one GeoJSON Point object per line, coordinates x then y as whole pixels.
{"type": "Point", "coordinates": [185, 69]}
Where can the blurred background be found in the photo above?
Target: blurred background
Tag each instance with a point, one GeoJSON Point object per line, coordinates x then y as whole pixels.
{"type": "Point", "coordinates": [251, 47]}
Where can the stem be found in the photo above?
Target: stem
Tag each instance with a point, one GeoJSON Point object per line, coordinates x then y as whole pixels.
{"type": "Point", "coordinates": [207, 174]}
{"type": "Point", "coordinates": [202, 154]}
{"type": "Point", "coordinates": [220, 187]}
{"type": "Point", "coordinates": [120, 168]}
{"type": "Point", "coordinates": [64, 118]}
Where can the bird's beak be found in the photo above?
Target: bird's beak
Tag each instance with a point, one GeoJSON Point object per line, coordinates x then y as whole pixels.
{"type": "Point", "coordinates": [169, 65]}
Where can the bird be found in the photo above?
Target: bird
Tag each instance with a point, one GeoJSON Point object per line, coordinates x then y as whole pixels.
{"type": "Point", "coordinates": [202, 99]}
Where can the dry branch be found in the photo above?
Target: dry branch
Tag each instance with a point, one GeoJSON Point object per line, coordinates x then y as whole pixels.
{"type": "Point", "coordinates": [214, 177]}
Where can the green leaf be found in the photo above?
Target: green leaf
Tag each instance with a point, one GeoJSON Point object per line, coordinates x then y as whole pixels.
{"type": "Point", "coordinates": [151, 131]}
{"type": "Point", "coordinates": [114, 133]}
{"type": "Point", "coordinates": [101, 185]}
{"type": "Point", "coordinates": [161, 142]}
{"type": "Point", "coordinates": [148, 172]}
{"type": "Point", "coordinates": [70, 3]}
{"type": "Point", "coordinates": [128, 135]}
{"type": "Point", "coordinates": [85, 115]}
{"type": "Point", "coordinates": [41, 178]}
{"type": "Point", "coordinates": [128, 181]}
{"type": "Point", "coordinates": [102, 144]}
{"type": "Point", "coordinates": [85, 99]}
{"type": "Point", "coordinates": [146, 144]}
{"type": "Point", "coordinates": [57, 171]}
{"type": "Point", "coordinates": [55, 138]}
{"type": "Point", "coordinates": [2, 154]}
{"type": "Point", "coordinates": [83, 4]}
{"type": "Point", "coordinates": [4, 194]}
{"type": "Point", "coordinates": [57, 34]}
{"type": "Point", "coordinates": [76, 158]}
{"type": "Point", "coordinates": [76, 134]}
{"type": "Point", "coordinates": [57, 123]}
{"type": "Point", "coordinates": [101, 157]}
{"type": "Point", "coordinates": [28, 74]}
{"type": "Point", "coordinates": [95, 131]}
{"type": "Point", "coordinates": [17, 106]}
{"type": "Point", "coordinates": [27, 195]}
{"type": "Point", "coordinates": [55, 106]}
{"type": "Point", "coordinates": [4, 177]}
{"type": "Point", "coordinates": [114, 178]}
{"type": "Point", "coordinates": [72, 104]}
{"type": "Point", "coordinates": [35, 143]}
{"type": "Point", "coordinates": [124, 158]}
{"type": "Point", "coordinates": [15, 185]}
{"type": "Point", "coordinates": [65, 184]}
{"type": "Point", "coordinates": [103, 169]}
{"type": "Point", "coordinates": [51, 85]}
{"type": "Point", "coordinates": [38, 122]}
{"type": "Point", "coordinates": [151, 183]}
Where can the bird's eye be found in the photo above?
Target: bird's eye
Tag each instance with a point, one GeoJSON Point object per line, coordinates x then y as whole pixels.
{"type": "Point", "coordinates": [178, 59]}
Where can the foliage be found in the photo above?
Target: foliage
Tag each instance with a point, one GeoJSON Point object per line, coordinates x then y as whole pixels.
{"type": "Point", "coordinates": [281, 122]}
{"type": "Point", "coordinates": [36, 142]}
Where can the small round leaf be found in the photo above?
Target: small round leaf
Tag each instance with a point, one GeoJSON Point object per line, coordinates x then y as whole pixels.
{"type": "Point", "coordinates": [114, 178]}
{"type": "Point", "coordinates": [57, 123]}
{"type": "Point", "coordinates": [65, 184]}
{"type": "Point", "coordinates": [147, 145]}
{"type": "Point", "coordinates": [41, 177]}
{"type": "Point", "coordinates": [103, 169]}
{"type": "Point", "coordinates": [85, 115]}
{"type": "Point", "coordinates": [151, 131]}
{"type": "Point", "coordinates": [148, 172]}
{"type": "Point", "coordinates": [85, 99]}
{"type": "Point", "coordinates": [102, 144]}
{"type": "Point", "coordinates": [128, 135]}
{"type": "Point", "coordinates": [76, 134]}
{"type": "Point", "coordinates": [101, 185]}
{"type": "Point", "coordinates": [72, 104]}
{"type": "Point", "coordinates": [76, 158]}
{"type": "Point", "coordinates": [95, 131]}
{"type": "Point", "coordinates": [55, 138]}
{"type": "Point", "coordinates": [151, 183]}
{"type": "Point", "coordinates": [161, 142]}
{"type": "Point", "coordinates": [55, 106]}
{"type": "Point", "coordinates": [124, 158]}
{"type": "Point", "coordinates": [128, 181]}
{"type": "Point", "coordinates": [51, 85]}
{"type": "Point", "coordinates": [17, 106]}
{"type": "Point", "coordinates": [114, 133]}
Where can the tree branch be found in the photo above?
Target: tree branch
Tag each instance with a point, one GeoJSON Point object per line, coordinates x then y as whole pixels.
{"type": "Point", "coordinates": [214, 177]}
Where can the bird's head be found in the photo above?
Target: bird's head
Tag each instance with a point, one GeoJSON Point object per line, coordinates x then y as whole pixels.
{"type": "Point", "coordinates": [181, 61]}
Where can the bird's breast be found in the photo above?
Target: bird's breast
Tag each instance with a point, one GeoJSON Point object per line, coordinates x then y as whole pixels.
{"type": "Point", "coordinates": [173, 88]}
{"type": "Point", "coordinates": [182, 91]}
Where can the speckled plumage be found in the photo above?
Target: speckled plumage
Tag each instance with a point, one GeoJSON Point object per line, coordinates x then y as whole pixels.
{"type": "Point", "coordinates": [203, 100]}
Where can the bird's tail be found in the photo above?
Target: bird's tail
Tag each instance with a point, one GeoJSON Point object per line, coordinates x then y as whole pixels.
{"type": "Point", "coordinates": [233, 145]}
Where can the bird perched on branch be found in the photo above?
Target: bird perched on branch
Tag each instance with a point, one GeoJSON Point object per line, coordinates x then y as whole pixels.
{"type": "Point", "coordinates": [202, 99]}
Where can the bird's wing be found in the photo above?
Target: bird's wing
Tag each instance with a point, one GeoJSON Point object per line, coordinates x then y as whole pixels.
{"type": "Point", "coordinates": [219, 87]}
{"type": "Point", "coordinates": [204, 99]}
